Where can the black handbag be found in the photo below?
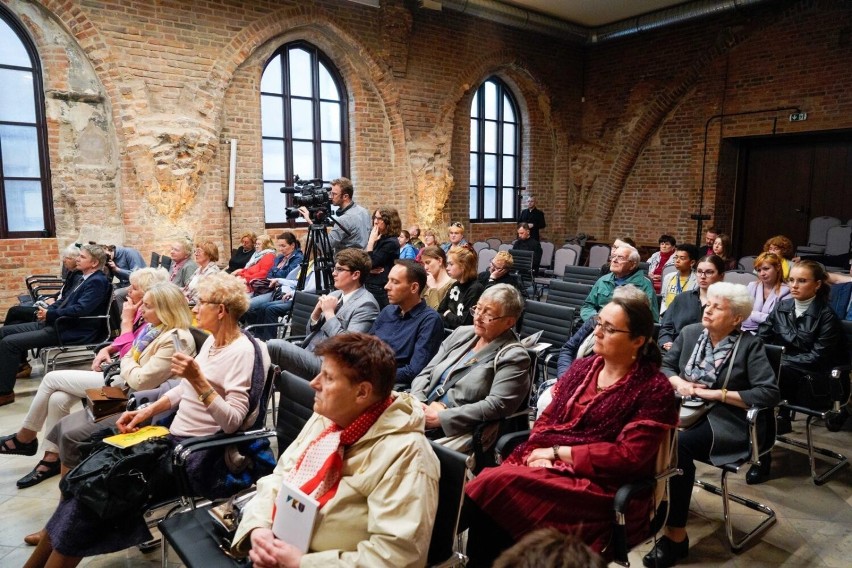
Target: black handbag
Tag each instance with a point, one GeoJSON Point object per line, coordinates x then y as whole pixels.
{"type": "Point", "coordinates": [116, 481]}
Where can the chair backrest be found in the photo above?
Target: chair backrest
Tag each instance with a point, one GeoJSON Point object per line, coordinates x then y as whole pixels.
{"type": "Point", "coordinates": [273, 375]}
{"type": "Point", "coordinates": [644, 267]}
{"type": "Point", "coordinates": [485, 258]}
{"type": "Point", "coordinates": [155, 259]}
{"type": "Point", "coordinates": [523, 268]}
{"type": "Point", "coordinates": [576, 248]}
{"type": "Point", "coordinates": [747, 263]}
{"type": "Point", "coordinates": [598, 256]}
{"type": "Point", "coordinates": [837, 240]}
{"type": "Point", "coordinates": [740, 277]}
{"type": "Point", "coordinates": [295, 407]}
{"type": "Point", "coordinates": [568, 294]}
{"type": "Point", "coordinates": [505, 246]}
{"type": "Point", "coordinates": [562, 258]}
{"type": "Point", "coordinates": [668, 270]}
{"type": "Point", "coordinates": [555, 321]}
{"type": "Point", "coordinates": [166, 262]}
{"type": "Point", "coordinates": [454, 472]}
{"type": "Point", "coordinates": [199, 336]}
{"type": "Point", "coordinates": [303, 305]}
{"type": "Point", "coordinates": [479, 245]}
{"type": "Point", "coordinates": [818, 230]}
{"type": "Point", "coordinates": [546, 254]}
{"type": "Point", "coordinates": [581, 274]}
{"type": "Point", "coordinates": [494, 242]}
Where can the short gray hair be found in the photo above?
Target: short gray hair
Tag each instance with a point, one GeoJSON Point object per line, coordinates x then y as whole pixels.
{"type": "Point", "coordinates": [736, 294]}
{"type": "Point", "coordinates": [506, 296]}
{"type": "Point", "coordinates": [631, 292]}
{"type": "Point", "coordinates": [633, 254]}
{"type": "Point", "coordinates": [70, 251]}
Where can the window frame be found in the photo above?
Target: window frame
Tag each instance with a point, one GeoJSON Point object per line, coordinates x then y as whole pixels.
{"type": "Point", "coordinates": [502, 91]}
{"type": "Point", "coordinates": [317, 57]}
{"type": "Point", "coordinates": [40, 126]}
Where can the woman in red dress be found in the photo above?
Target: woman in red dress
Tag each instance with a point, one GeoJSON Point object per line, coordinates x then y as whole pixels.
{"type": "Point", "coordinates": [609, 415]}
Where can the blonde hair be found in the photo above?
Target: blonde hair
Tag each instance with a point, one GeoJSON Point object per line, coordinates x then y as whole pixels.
{"type": "Point", "coordinates": [146, 278]}
{"type": "Point", "coordinates": [170, 304]}
{"type": "Point", "coordinates": [210, 249]}
{"type": "Point", "coordinates": [226, 289]}
{"type": "Point", "coordinates": [266, 242]}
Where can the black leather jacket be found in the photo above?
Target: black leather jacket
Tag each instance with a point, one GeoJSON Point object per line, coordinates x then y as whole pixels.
{"type": "Point", "coordinates": [814, 341]}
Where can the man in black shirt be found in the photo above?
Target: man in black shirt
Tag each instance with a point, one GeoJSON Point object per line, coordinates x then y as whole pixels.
{"type": "Point", "coordinates": [534, 218]}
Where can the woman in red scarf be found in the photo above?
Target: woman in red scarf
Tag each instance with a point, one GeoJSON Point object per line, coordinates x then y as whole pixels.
{"type": "Point", "coordinates": [609, 415]}
{"type": "Point", "coordinates": [364, 457]}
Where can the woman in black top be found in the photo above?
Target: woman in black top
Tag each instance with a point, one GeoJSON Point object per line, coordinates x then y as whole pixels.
{"type": "Point", "coordinates": [383, 248]}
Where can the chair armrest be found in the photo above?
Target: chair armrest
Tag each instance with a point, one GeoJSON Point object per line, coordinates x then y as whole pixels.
{"type": "Point", "coordinates": [61, 320]}
{"type": "Point", "coordinates": [752, 419]}
{"type": "Point", "coordinates": [507, 443]}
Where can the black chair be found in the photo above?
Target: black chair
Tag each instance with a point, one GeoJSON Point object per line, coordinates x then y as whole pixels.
{"type": "Point", "coordinates": [155, 260]}
{"type": "Point", "coordinates": [295, 407]}
{"type": "Point", "coordinates": [569, 294]}
{"type": "Point", "coordinates": [41, 287]}
{"type": "Point", "coordinates": [299, 318]}
{"type": "Point", "coordinates": [833, 417]}
{"type": "Point", "coordinates": [166, 262]}
{"type": "Point", "coordinates": [523, 269]}
{"type": "Point", "coordinates": [556, 324]}
{"type": "Point", "coordinates": [581, 274]}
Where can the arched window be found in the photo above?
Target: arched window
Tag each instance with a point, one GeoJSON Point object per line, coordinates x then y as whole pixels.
{"type": "Point", "coordinates": [25, 197]}
{"type": "Point", "coordinates": [495, 153]}
{"type": "Point", "coordinates": [304, 123]}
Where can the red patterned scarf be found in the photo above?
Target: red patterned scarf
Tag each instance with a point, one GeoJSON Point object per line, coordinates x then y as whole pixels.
{"type": "Point", "coordinates": [318, 469]}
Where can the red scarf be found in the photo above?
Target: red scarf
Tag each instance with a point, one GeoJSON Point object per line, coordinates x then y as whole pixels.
{"type": "Point", "coordinates": [318, 469]}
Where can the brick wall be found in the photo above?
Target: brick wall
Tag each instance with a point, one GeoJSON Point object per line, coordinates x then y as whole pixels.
{"type": "Point", "coordinates": [143, 97]}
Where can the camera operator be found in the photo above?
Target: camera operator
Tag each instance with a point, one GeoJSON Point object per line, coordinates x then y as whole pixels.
{"type": "Point", "coordinates": [350, 216]}
{"type": "Point", "coordinates": [120, 262]}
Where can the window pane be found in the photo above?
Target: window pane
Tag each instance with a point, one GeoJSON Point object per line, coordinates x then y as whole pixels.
{"type": "Point", "coordinates": [489, 201]}
{"type": "Point", "coordinates": [491, 100]}
{"type": "Point", "coordinates": [272, 116]}
{"type": "Point", "coordinates": [302, 118]}
{"type": "Point", "coordinates": [303, 160]}
{"type": "Point", "coordinates": [490, 173]}
{"type": "Point", "coordinates": [12, 51]}
{"type": "Point", "coordinates": [16, 96]}
{"type": "Point", "coordinates": [490, 136]}
{"type": "Point", "coordinates": [24, 206]}
{"type": "Point", "coordinates": [508, 139]}
{"type": "Point", "coordinates": [301, 84]}
{"type": "Point", "coordinates": [274, 203]}
{"type": "Point", "coordinates": [330, 121]}
{"type": "Point", "coordinates": [508, 112]}
{"type": "Point", "coordinates": [328, 88]}
{"type": "Point", "coordinates": [474, 203]}
{"type": "Point", "coordinates": [508, 203]}
{"type": "Point", "coordinates": [508, 171]}
{"type": "Point", "coordinates": [474, 135]}
{"type": "Point", "coordinates": [474, 169]}
{"type": "Point", "coordinates": [20, 151]}
{"type": "Point", "coordinates": [474, 105]}
{"type": "Point", "coordinates": [331, 162]}
{"type": "Point", "coordinates": [270, 82]}
{"type": "Point", "coordinates": [273, 160]}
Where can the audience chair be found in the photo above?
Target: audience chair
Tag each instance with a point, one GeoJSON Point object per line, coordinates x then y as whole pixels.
{"type": "Point", "coordinates": [569, 294]}
{"type": "Point", "coordinates": [300, 316]}
{"type": "Point", "coordinates": [561, 258]}
{"type": "Point", "coordinates": [505, 246]}
{"type": "Point", "coordinates": [598, 256]}
{"type": "Point", "coordinates": [547, 252]}
{"type": "Point", "coordinates": [155, 260]}
{"type": "Point", "coordinates": [839, 387]}
{"type": "Point", "coordinates": [746, 263]}
{"type": "Point", "coordinates": [581, 274]}
{"type": "Point", "coordinates": [484, 259]}
{"type": "Point", "coordinates": [296, 406]}
{"type": "Point", "coordinates": [41, 287]}
{"type": "Point", "coordinates": [523, 269]}
{"type": "Point", "coordinates": [494, 242]}
{"type": "Point", "coordinates": [818, 235]}
{"type": "Point", "coordinates": [740, 277]}
{"type": "Point", "coordinates": [757, 450]}
{"type": "Point", "coordinates": [480, 245]}
{"type": "Point", "coordinates": [837, 240]}
{"type": "Point", "coordinates": [556, 324]}
{"type": "Point", "coordinates": [78, 352]}
{"type": "Point", "coordinates": [576, 248]}
{"type": "Point", "coordinates": [667, 270]}
{"type": "Point", "coordinates": [166, 262]}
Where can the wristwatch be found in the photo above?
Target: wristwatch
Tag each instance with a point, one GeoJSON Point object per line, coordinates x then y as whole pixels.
{"type": "Point", "coordinates": [555, 452]}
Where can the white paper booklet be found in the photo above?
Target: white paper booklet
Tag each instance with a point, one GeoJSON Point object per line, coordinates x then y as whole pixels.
{"type": "Point", "coordinates": [295, 515]}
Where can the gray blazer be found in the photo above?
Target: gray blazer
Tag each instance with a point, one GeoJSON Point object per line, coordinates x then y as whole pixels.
{"type": "Point", "coordinates": [751, 376]}
{"type": "Point", "coordinates": [355, 315]}
{"type": "Point", "coordinates": [481, 394]}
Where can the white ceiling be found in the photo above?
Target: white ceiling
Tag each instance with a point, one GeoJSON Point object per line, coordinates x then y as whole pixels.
{"type": "Point", "coordinates": [593, 13]}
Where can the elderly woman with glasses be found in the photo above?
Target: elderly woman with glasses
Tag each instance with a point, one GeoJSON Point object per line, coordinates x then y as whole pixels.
{"type": "Point", "coordinates": [206, 255]}
{"type": "Point", "coordinates": [609, 416]}
{"type": "Point", "coordinates": [480, 373]}
{"type": "Point", "coordinates": [383, 248]}
{"type": "Point", "coordinates": [716, 362]}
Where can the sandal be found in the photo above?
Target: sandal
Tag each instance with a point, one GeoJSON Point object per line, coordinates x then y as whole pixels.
{"type": "Point", "coordinates": [20, 448]}
{"type": "Point", "coordinates": [37, 475]}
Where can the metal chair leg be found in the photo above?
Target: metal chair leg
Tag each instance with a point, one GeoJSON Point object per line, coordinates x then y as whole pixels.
{"type": "Point", "coordinates": [835, 460]}
{"type": "Point", "coordinates": [727, 497]}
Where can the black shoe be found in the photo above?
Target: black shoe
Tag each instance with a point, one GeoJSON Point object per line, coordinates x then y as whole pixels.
{"type": "Point", "coordinates": [19, 448]}
{"type": "Point", "coordinates": [666, 553]}
{"type": "Point", "coordinates": [783, 426]}
{"type": "Point", "coordinates": [759, 473]}
{"type": "Point", "coordinates": [37, 475]}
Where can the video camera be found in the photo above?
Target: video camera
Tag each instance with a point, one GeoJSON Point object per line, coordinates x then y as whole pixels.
{"type": "Point", "coordinates": [312, 194]}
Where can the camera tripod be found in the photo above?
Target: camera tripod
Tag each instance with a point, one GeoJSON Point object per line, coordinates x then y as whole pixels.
{"type": "Point", "coordinates": [317, 250]}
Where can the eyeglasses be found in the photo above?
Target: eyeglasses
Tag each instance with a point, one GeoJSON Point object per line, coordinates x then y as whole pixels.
{"type": "Point", "coordinates": [706, 272]}
{"type": "Point", "coordinates": [337, 269]}
{"type": "Point", "coordinates": [607, 328]}
{"type": "Point", "coordinates": [474, 310]}
{"type": "Point", "coordinates": [618, 259]}
{"type": "Point", "coordinates": [201, 302]}
{"type": "Point", "coordinates": [495, 267]}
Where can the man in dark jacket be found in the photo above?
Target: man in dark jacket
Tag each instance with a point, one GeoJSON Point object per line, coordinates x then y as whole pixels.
{"type": "Point", "coordinates": [534, 218]}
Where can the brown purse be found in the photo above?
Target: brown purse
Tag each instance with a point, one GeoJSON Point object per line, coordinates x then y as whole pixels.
{"type": "Point", "coordinates": [103, 402]}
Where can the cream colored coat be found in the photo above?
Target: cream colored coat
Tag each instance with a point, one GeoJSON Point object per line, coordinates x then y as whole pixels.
{"type": "Point", "coordinates": [384, 508]}
{"type": "Point", "coordinates": [154, 365]}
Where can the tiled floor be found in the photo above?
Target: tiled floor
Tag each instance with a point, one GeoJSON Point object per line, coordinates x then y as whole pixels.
{"type": "Point", "coordinates": [813, 527]}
